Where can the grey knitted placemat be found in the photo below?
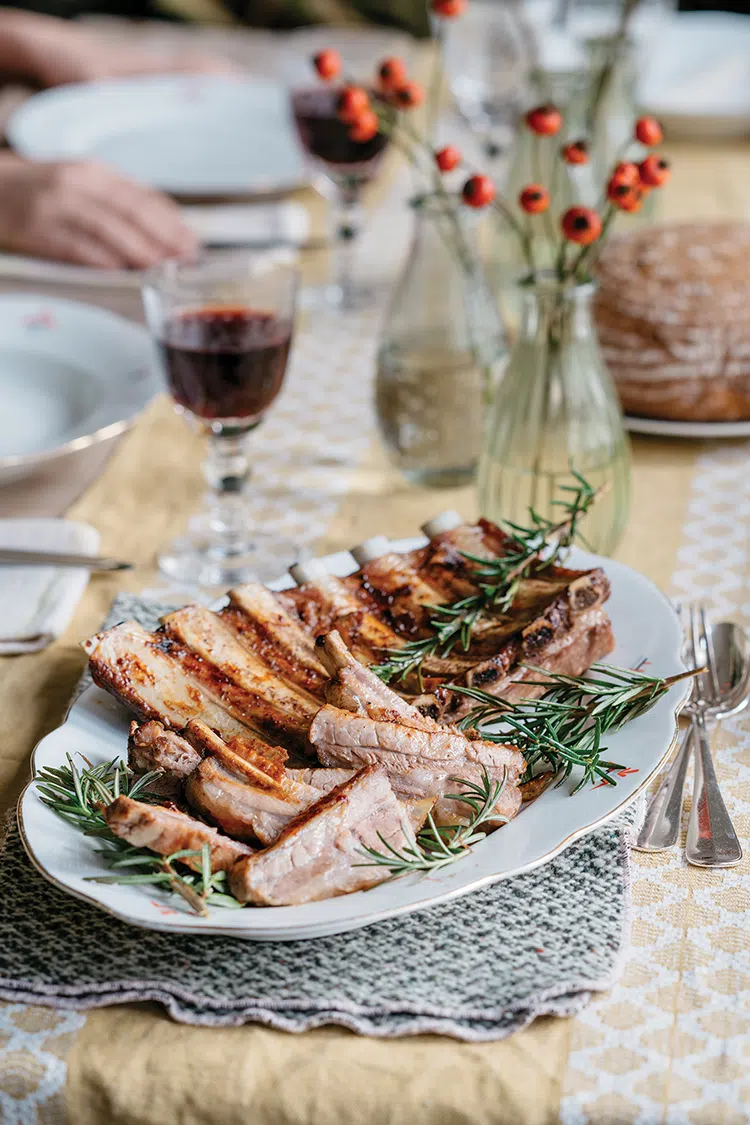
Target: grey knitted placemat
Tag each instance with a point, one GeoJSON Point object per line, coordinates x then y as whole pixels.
{"type": "Point", "coordinates": [477, 969]}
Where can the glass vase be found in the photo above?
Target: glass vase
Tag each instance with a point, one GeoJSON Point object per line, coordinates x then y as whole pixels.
{"type": "Point", "coordinates": [440, 352]}
{"type": "Point", "coordinates": [555, 412]}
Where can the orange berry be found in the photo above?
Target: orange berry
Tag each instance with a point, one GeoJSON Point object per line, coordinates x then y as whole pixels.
{"type": "Point", "coordinates": [577, 152]}
{"type": "Point", "coordinates": [478, 191]}
{"type": "Point", "coordinates": [351, 102]}
{"type": "Point", "coordinates": [391, 74]}
{"type": "Point", "coordinates": [544, 120]}
{"type": "Point", "coordinates": [364, 127]}
{"type": "Point", "coordinates": [328, 64]}
{"type": "Point", "coordinates": [449, 9]}
{"type": "Point", "coordinates": [408, 96]}
{"type": "Point", "coordinates": [633, 201]}
{"type": "Point", "coordinates": [582, 225]}
{"type": "Point", "coordinates": [448, 158]}
{"type": "Point", "coordinates": [626, 173]}
{"type": "Point", "coordinates": [648, 131]}
{"type": "Point", "coordinates": [654, 171]}
{"type": "Point", "coordinates": [534, 199]}
{"type": "Point", "coordinates": [623, 195]}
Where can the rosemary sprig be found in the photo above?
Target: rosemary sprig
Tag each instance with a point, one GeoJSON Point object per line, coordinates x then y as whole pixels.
{"type": "Point", "coordinates": [498, 581]}
{"type": "Point", "coordinates": [77, 794]}
{"type": "Point", "coordinates": [564, 729]}
{"type": "Point", "coordinates": [438, 846]}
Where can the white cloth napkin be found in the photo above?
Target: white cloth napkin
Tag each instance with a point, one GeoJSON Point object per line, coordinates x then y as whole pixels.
{"type": "Point", "coordinates": [37, 602]}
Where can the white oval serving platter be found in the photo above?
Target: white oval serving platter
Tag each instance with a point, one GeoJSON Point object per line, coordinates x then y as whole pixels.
{"type": "Point", "coordinates": [698, 431]}
{"type": "Point", "coordinates": [646, 628]}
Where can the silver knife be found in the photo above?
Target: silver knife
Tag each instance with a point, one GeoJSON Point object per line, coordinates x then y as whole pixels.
{"type": "Point", "coordinates": [11, 556]}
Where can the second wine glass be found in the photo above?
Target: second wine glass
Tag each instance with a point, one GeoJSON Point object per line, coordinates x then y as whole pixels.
{"type": "Point", "coordinates": [348, 165]}
{"type": "Point", "coordinates": [223, 326]}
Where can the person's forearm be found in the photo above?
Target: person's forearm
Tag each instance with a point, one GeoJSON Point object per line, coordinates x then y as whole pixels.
{"type": "Point", "coordinates": [26, 41]}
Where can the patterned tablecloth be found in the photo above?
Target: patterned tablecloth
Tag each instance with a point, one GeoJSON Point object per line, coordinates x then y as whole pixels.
{"type": "Point", "coordinates": [671, 1043]}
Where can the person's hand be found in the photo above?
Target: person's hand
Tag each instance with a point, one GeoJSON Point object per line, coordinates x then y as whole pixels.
{"type": "Point", "coordinates": [54, 52]}
{"type": "Point", "coordinates": [84, 57]}
{"type": "Point", "coordinates": [83, 213]}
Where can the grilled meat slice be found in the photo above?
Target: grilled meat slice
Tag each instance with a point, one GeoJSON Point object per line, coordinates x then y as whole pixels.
{"type": "Point", "coordinates": [165, 831]}
{"type": "Point", "coordinates": [419, 763]}
{"type": "Point", "coordinates": [245, 809]}
{"type": "Point", "coordinates": [321, 778]}
{"type": "Point", "coordinates": [267, 628]}
{"type": "Point", "coordinates": [318, 855]}
{"type": "Point", "coordinates": [339, 603]}
{"type": "Point", "coordinates": [353, 687]}
{"type": "Point", "coordinates": [250, 754]}
{"type": "Point", "coordinates": [135, 667]}
{"type": "Point", "coordinates": [152, 747]}
{"type": "Point", "coordinates": [226, 670]}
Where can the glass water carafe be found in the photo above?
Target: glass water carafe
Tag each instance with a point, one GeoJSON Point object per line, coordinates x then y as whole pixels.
{"type": "Point", "coordinates": [440, 351]}
{"type": "Point", "coordinates": [556, 411]}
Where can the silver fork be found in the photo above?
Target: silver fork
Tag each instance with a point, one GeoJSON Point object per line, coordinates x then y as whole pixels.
{"type": "Point", "coordinates": [661, 826]}
{"type": "Point", "coordinates": [711, 838]}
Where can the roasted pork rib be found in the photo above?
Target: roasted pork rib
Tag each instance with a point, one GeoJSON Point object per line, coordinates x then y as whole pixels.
{"type": "Point", "coordinates": [320, 854]}
{"type": "Point", "coordinates": [166, 831]}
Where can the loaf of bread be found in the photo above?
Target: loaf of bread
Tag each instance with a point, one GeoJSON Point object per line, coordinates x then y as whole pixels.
{"type": "Point", "coordinates": [673, 317]}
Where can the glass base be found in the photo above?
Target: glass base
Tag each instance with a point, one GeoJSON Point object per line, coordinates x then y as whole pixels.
{"type": "Point", "coordinates": [202, 558]}
{"type": "Point", "coordinates": [441, 478]}
{"type": "Point", "coordinates": [347, 299]}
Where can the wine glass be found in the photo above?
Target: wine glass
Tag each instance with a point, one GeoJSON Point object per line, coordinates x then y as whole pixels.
{"type": "Point", "coordinates": [488, 55]}
{"type": "Point", "coordinates": [347, 165]}
{"type": "Point", "coordinates": [223, 326]}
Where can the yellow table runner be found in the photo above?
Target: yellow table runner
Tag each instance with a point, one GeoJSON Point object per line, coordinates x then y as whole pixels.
{"type": "Point", "coordinates": [666, 1045]}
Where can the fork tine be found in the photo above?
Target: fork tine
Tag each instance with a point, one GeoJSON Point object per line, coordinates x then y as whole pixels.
{"type": "Point", "coordinates": [693, 634]}
{"type": "Point", "coordinates": [710, 655]}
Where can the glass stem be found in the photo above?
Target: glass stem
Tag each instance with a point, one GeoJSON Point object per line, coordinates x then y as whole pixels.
{"type": "Point", "coordinates": [348, 227]}
{"type": "Point", "coordinates": [227, 472]}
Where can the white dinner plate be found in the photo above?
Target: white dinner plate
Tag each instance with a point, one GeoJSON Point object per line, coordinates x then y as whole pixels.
{"type": "Point", "coordinates": [190, 135]}
{"type": "Point", "coordinates": [70, 374]}
{"type": "Point", "coordinates": [666, 427]}
{"type": "Point", "coordinates": [698, 80]}
{"type": "Point", "coordinates": [645, 627]}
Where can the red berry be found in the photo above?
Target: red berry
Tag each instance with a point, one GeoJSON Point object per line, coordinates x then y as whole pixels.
{"type": "Point", "coordinates": [351, 102]}
{"type": "Point", "coordinates": [626, 173]}
{"type": "Point", "coordinates": [654, 171]}
{"type": "Point", "coordinates": [408, 96]}
{"type": "Point", "coordinates": [478, 191]}
{"type": "Point", "coordinates": [449, 9]}
{"type": "Point", "coordinates": [582, 225]}
{"type": "Point", "coordinates": [577, 152]}
{"type": "Point", "coordinates": [328, 64]}
{"type": "Point", "coordinates": [623, 195]}
{"type": "Point", "coordinates": [448, 158]}
{"type": "Point", "coordinates": [534, 199]}
{"type": "Point", "coordinates": [544, 120]}
{"type": "Point", "coordinates": [648, 131]}
{"type": "Point", "coordinates": [391, 74]}
{"type": "Point", "coordinates": [364, 127]}
{"type": "Point", "coordinates": [632, 201]}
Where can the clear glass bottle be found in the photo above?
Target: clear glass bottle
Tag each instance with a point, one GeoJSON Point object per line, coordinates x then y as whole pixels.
{"type": "Point", "coordinates": [440, 352]}
{"type": "Point", "coordinates": [556, 410]}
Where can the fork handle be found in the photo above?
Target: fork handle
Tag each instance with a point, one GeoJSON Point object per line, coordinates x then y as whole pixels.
{"type": "Point", "coordinates": [711, 838]}
{"type": "Point", "coordinates": [662, 824]}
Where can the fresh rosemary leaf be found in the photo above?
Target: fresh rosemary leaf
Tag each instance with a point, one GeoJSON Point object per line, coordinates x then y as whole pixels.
{"type": "Point", "coordinates": [76, 795]}
{"type": "Point", "coordinates": [437, 847]}
{"type": "Point", "coordinates": [564, 729]}
{"type": "Point", "coordinates": [543, 543]}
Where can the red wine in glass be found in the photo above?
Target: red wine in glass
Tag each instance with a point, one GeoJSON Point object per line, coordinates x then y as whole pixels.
{"type": "Point", "coordinates": [224, 362]}
{"type": "Point", "coordinates": [327, 139]}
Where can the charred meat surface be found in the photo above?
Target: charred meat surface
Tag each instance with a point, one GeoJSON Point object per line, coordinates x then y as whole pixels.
{"type": "Point", "coordinates": [319, 854]}
{"type": "Point", "coordinates": [152, 747]}
{"type": "Point", "coordinates": [166, 831]}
